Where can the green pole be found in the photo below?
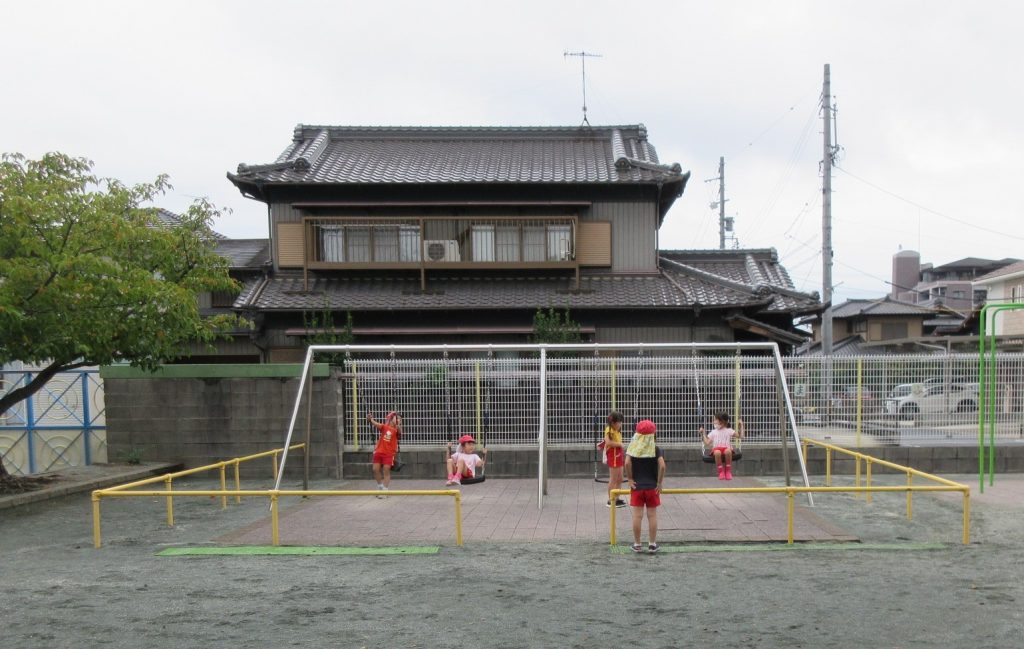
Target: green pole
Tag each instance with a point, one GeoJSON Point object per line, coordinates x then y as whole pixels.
{"type": "Point", "coordinates": [613, 384]}
{"type": "Point", "coordinates": [982, 392]}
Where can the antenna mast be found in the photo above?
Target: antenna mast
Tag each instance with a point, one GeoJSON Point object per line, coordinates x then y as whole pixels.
{"type": "Point", "coordinates": [583, 68]}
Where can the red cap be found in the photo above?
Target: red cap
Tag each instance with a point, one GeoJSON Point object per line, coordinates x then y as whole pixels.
{"type": "Point", "coordinates": [646, 427]}
{"type": "Point", "coordinates": [466, 438]}
{"type": "Point", "coordinates": [390, 415]}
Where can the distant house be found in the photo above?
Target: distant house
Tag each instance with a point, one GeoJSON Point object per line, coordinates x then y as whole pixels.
{"type": "Point", "coordinates": [460, 234]}
{"type": "Point", "coordinates": [950, 285]}
{"type": "Point", "coordinates": [1004, 286]}
{"type": "Point", "coordinates": [870, 326]}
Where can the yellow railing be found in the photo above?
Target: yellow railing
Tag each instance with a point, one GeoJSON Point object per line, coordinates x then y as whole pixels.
{"type": "Point", "coordinates": [867, 490]}
{"type": "Point", "coordinates": [129, 490]}
{"type": "Point", "coordinates": [274, 495]}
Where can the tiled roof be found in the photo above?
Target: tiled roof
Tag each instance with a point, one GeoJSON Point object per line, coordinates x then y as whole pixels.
{"type": "Point", "coordinates": [849, 346]}
{"type": "Point", "coordinates": [1012, 269]}
{"type": "Point", "coordinates": [245, 253]}
{"type": "Point", "coordinates": [677, 286]}
{"type": "Point", "coordinates": [170, 219]}
{"type": "Point", "coordinates": [397, 155]}
{"type": "Point", "coordinates": [727, 274]}
{"type": "Point", "coordinates": [885, 306]}
{"type": "Point", "coordinates": [286, 292]}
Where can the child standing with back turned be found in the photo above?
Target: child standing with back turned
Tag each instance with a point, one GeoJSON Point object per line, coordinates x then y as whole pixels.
{"type": "Point", "coordinates": [720, 441]}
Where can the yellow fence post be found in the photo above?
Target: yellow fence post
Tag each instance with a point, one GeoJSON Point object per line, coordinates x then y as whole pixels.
{"type": "Point", "coordinates": [789, 516]}
{"type": "Point", "coordinates": [238, 483]}
{"type": "Point", "coordinates": [910, 496]}
{"type": "Point", "coordinates": [223, 485]}
{"type": "Point", "coordinates": [612, 518]}
{"type": "Point", "coordinates": [967, 516]}
{"type": "Point", "coordinates": [170, 501]}
{"type": "Point", "coordinates": [613, 384]}
{"type": "Point", "coordinates": [275, 529]}
{"type": "Point", "coordinates": [274, 461]}
{"type": "Point", "coordinates": [737, 389]}
{"type": "Point", "coordinates": [96, 520]}
{"type": "Point", "coordinates": [355, 409]}
{"type": "Point", "coordinates": [867, 483]}
{"type": "Point", "coordinates": [479, 429]}
{"type": "Point", "coordinates": [828, 467]}
{"type": "Point", "coordinates": [458, 517]}
{"type": "Point", "coordinates": [860, 397]}
{"type": "Point", "coordinates": [856, 472]}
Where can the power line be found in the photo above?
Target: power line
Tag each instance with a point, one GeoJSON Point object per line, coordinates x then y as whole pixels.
{"type": "Point", "coordinates": [928, 209]}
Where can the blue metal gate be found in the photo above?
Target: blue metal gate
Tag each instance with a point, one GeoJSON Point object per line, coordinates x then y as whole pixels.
{"type": "Point", "coordinates": [61, 425]}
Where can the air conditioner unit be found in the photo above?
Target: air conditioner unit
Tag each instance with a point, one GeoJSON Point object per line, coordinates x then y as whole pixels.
{"type": "Point", "coordinates": [441, 250]}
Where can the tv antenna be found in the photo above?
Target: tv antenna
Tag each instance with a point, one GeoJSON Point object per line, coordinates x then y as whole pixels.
{"type": "Point", "coordinates": [583, 69]}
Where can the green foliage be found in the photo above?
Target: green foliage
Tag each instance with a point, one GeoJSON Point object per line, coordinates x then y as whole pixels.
{"type": "Point", "coordinates": [131, 456]}
{"type": "Point", "coordinates": [88, 277]}
{"type": "Point", "coordinates": [555, 327]}
{"type": "Point", "coordinates": [320, 330]}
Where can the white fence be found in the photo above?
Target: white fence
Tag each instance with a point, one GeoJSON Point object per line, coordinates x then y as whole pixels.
{"type": "Point", "coordinates": [884, 399]}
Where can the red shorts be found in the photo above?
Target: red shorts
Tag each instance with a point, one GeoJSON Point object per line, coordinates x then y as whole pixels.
{"type": "Point", "coordinates": [386, 459]}
{"type": "Point", "coordinates": [640, 497]}
{"type": "Point", "coordinates": [723, 449]}
{"type": "Point", "coordinates": [616, 457]}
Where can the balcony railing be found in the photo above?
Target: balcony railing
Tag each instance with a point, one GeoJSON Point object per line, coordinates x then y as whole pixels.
{"type": "Point", "coordinates": [440, 242]}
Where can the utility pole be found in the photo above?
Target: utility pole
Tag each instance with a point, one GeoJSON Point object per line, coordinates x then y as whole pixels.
{"type": "Point", "coordinates": [724, 223]}
{"type": "Point", "coordinates": [721, 203]}
{"type": "Point", "coordinates": [583, 62]}
{"type": "Point", "coordinates": [826, 217]}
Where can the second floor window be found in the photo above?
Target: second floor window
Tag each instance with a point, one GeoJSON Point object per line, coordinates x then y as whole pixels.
{"type": "Point", "coordinates": [352, 244]}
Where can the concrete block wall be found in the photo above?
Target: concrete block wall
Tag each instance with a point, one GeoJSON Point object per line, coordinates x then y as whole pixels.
{"type": "Point", "coordinates": [198, 421]}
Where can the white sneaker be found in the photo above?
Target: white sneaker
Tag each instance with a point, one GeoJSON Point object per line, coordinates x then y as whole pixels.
{"type": "Point", "coordinates": [385, 492]}
{"type": "Point", "coordinates": [380, 487]}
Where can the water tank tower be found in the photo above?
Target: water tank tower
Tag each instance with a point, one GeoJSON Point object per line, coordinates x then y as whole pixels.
{"type": "Point", "coordinates": [906, 273]}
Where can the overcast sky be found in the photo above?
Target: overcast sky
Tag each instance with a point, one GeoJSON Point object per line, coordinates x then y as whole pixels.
{"type": "Point", "coordinates": [929, 98]}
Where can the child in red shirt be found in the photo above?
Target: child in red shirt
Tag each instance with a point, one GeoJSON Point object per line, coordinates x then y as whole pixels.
{"type": "Point", "coordinates": [387, 447]}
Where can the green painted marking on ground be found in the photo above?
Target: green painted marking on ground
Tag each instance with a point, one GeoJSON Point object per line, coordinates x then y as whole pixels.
{"type": "Point", "coordinates": [785, 547]}
{"type": "Point", "coordinates": [300, 550]}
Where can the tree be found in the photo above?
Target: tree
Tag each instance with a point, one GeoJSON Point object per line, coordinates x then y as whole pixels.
{"type": "Point", "coordinates": [88, 277]}
{"type": "Point", "coordinates": [553, 327]}
{"type": "Point", "coordinates": [320, 330]}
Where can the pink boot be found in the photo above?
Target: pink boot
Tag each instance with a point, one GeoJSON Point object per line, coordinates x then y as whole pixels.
{"type": "Point", "coordinates": [451, 479]}
{"type": "Point", "coordinates": [728, 472]}
{"type": "Point", "coordinates": [721, 472]}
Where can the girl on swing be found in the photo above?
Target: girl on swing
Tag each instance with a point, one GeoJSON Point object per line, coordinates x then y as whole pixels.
{"type": "Point", "coordinates": [720, 441]}
{"type": "Point", "coordinates": [463, 463]}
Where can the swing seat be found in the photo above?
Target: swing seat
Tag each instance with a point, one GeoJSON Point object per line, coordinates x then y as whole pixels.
{"type": "Point", "coordinates": [707, 456]}
{"type": "Point", "coordinates": [474, 480]}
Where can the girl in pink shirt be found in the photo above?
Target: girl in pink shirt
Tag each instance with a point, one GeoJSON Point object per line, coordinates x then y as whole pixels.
{"type": "Point", "coordinates": [720, 441]}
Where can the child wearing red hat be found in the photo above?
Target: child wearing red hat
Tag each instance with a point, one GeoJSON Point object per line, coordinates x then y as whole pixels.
{"type": "Point", "coordinates": [390, 431]}
{"type": "Point", "coordinates": [464, 462]}
{"type": "Point", "coordinates": [645, 470]}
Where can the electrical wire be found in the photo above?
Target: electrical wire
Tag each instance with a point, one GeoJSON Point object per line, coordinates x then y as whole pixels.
{"type": "Point", "coordinates": [928, 209]}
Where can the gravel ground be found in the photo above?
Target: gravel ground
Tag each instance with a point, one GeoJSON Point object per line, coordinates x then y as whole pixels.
{"type": "Point", "coordinates": [920, 589]}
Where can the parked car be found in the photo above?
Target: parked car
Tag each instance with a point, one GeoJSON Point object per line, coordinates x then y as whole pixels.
{"type": "Point", "coordinates": [913, 399]}
{"type": "Point", "coordinates": [845, 401]}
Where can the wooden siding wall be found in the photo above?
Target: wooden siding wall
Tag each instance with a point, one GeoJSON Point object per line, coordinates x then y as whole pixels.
{"type": "Point", "coordinates": [281, 213]}
{"type": "Point", "coordinates": [634, 234]}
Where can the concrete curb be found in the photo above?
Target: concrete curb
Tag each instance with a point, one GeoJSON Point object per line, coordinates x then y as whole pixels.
{"type": "Point", "coordinates": [78, 479]}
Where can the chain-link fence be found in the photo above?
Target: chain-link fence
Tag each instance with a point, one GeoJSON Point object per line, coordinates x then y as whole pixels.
{"type": "Point", "coordinates": [881, 399]}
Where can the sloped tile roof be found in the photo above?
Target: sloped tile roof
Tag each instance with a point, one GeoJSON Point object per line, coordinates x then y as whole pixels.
{"type": "Point", "coordinates": [1011, 269]}
{"type": "Point", "coordinates": [676, 286]}
{"type": "Point", "coordinates": [729, 274]}
{"type": "Point", "coordinates": [286, 292]}
{"type": "Point", "coordinates": [884, 306]}
{"type": "Point", "coordinates": [170, 219]}
{"type": "Point", "coordinates": [399, 155]}
{"type": "Point", "coordinates": [245, 253]}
